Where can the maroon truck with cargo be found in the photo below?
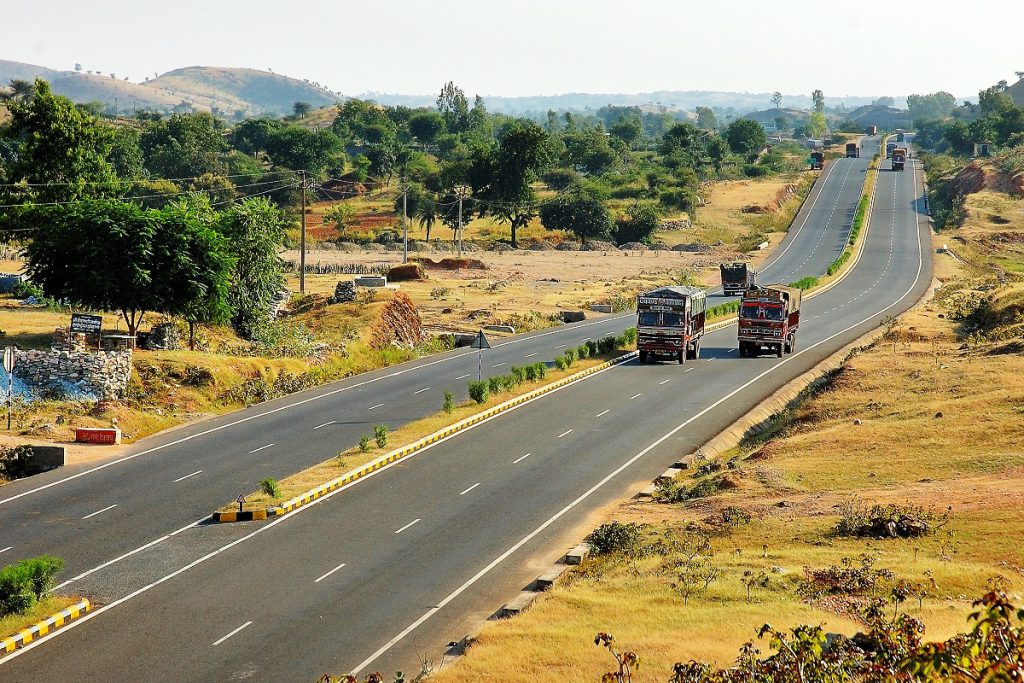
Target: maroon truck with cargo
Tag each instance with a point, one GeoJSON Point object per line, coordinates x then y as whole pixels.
{"type": "Point", "coordinates": [769, 318]}
{"type": "Point", "coordinates": [670, 323]}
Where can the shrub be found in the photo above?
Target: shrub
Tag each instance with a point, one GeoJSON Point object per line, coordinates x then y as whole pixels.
{"type": "Point", "coordinates": [439, 292]}
{"type": "Point", "coordinates": [530, 372]}
{"type": "Point", "coordinates": [616, 537]}
{"type": "Point", "coordinates": [494, 384]}
{"type": "Point", "coordinates": [838, 263]}
{"type": "Point", "coordinates": [561, 363]}
{"type": "Point", "coordinates": [449, 402]}
{"type": "Point", "coordinates": [14, 461]}
{"type": "Point", "coordinates": [25, 582]}
{"type": "Point", "coordinates": [583, 352]}
{"type": "Point", "coordinates": [570, 357]}
{"type": "Point", "coordinates": [606, 344]}
{"type": "Point", "coordinates": [805, 282]}
{"type": "Point", "coordinates": [630, 335]}
{"type": "Point", "coordinates": [380, 435]}
{"type": "Point", "coordinates": [518, 374]}
{"type": "Point", "coordinates": [541, 370]}
{"type": "Point", "coordinates": [592, 348]}
{"type": "Point", "coordinates": [735, 516]}
{"type": "Point", "coordinates": [41, 571]}
{"type": "Point", "coordinates": [888, 521]}
{"type": "Point", "coordinates": [364, 444]}
{"type": "Point", "coordinates": [852, 577]}
{"type": "Point", "coordinates": [479, 391]}
{"type": "Point", "coordinates": [270, 487]}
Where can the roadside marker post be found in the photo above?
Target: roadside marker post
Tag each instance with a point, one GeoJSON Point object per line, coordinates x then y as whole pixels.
{"type": "Point", "coordinates": [9, 358]}
{"type": "Point", "coordinates": [480, 343]}
{"type": "Point", "coordinates": [240, 500]}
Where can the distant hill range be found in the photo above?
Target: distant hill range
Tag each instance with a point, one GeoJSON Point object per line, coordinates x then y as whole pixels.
{"type": "Point", "coordinates": [232, 92]}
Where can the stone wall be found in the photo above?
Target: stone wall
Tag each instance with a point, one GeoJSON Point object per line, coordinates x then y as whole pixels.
{"type": "Point", "coordinates": [77, 374]}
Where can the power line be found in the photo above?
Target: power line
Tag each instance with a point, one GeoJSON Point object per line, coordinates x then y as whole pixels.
{"type": "Point", "coordinates": [152, 196]}
{"type": "Point", "coordinates": [137, 180]}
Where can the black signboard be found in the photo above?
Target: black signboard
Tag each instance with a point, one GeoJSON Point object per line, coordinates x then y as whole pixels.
{"type": "Point", "coordinates": [88, 324]}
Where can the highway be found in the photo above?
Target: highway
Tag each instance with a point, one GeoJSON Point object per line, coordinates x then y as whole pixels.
{"type": "Point", "coordinates": [90, 514]}
{"type": "Point", "coordinates": [391, 569]}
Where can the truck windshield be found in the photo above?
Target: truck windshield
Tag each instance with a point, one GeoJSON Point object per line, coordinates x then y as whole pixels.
{"type": "Point", "coordinates": [648, 319]}
{"type": "Point", "coordinates": [672, 320]}
{"type": "Point", "coordinates": [759, 312]}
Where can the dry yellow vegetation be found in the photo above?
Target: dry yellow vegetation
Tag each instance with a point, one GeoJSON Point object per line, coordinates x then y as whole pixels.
{"type": "Point", "coordinates": [932, 415]}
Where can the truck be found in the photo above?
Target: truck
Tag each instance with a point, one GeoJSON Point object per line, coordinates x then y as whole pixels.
{"type": "Point", "coordinates": [871, 130]}
{"type": "Point", "coordinates": [889, 147]}
{"type": "Point", "coordinates": [817, 160]}
{"type": "Point", "coordinates": [899, 158]}
{"type": "Point", "coordinates": [769, 318]}
{"type": "Point", "coordinates": [736, 277]}
{"type": "Point", "coordinates": [670, 323]}
{"type": "Point", "coordinates": [852, 150]}
{"type": "Point", "coordinates": [901, 136]}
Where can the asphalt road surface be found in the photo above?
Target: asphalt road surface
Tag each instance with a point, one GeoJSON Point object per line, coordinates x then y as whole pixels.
{"type": "Point", "coordinates": [385, 573]}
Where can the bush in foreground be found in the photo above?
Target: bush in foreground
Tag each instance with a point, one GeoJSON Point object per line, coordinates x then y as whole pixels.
{"type": "Point", "coordinates": [23, 583]}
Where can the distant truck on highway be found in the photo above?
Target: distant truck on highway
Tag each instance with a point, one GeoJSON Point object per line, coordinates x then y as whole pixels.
{"type": "Point", "coordinates": [852, 150]}
{"type": "Point", "coordinates": [889, 147]}
{"type": "Point", "coordinates": [670, 323]}
{"type": "Point", "coordinates": [737, 277]}
{"type": "Point", "coordinates": [817, 160]}
{"type": "Point", "coordinates": [871, 130]}
{"type": "Point", "coordinates": [769, 319]}
{"type": "Point", "coordinates": [901, 136]}
{"type": "Point", "coordinates": [899, 158]}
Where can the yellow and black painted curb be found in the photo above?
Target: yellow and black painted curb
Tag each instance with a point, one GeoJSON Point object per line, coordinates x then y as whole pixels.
{"type": "Point", "coordinates": [395, 455]}
{"type": "Point", "coordinates": [52, 623]}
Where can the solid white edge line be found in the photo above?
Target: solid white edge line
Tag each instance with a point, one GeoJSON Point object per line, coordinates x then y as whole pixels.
{"type": "Point", "coordinates": [415, 521]}
{"type": "Point", "coordinates": [93, 514]}
{"type": "Point", "coordinates": [187, 476]}
{"type": "Point", "coordinates": [329, 573]}
{"type": "Point", "coordinates": [469, 489]}
{"type": "Point", "coordinates": [551, 520]}
{"type": "Point", "coordinates": [221, 640]}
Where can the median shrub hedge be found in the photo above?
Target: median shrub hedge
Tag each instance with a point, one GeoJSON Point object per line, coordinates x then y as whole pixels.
{"type": "Point", "coordinates": [805, 283]}
{"type": "Point", "coordinates": [23, 583]}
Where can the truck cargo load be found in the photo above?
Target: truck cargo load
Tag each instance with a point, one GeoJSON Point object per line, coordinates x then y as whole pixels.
{"type": "Point", "coordinates": [670, 322]}
{"type": "Point", "coordinates": [899, 158]}
{"type": "Point", "coordinates": [737, 277]}
{"type": "Point", "coordinates": [769, 318]}
{"type": "Point", "coordinates": [817, 161]}
{"type": "Point", "coordinates": [852, 150]}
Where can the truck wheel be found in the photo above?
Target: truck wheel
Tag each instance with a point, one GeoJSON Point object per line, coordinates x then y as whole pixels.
{"type": "Point", "coordinates": [696, 349]}
{"type": "Point", "coordinates": [779, 350]}
{"type": "Point", "coordinates": [743, 350]}
{"type": "Point", "coordinates": [682, 357]}
{"type": "Point", "coordinates": [792, 342]}
{"type": "Point", "coordinates": [643, 356]}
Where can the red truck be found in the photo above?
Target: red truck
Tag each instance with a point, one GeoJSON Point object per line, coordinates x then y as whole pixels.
{"type": "Point", "coordinates": [769, 319]}
{"type": "Point", "coordinates": [670, 322]}
{"type": "Point", "coordinates": [899, 158]}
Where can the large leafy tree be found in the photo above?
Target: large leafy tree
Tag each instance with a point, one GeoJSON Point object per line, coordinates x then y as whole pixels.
{"type": "Point", "coordinates": [454, 107]}
{"type": "Point", "coordinates": [184, 146]}
{"type": "Point", "coordinates": [58, 143]}
{"type": "Point", "coordinates": [746, 137]}
{"type": "Point", "coordinates": [638, 224]}
{"type": "Point", "coordinates": [577, 211]}
{"type": "Point", "coordinates": [299, 148]}
{"type": "Point", "coordinates": [254, 228]}
{"type": "Point", "coordinates": [588, 151]}
{"type": "Point", "coordinates": [521, 154]}
{"type": "Point", "coordinates": [425, 126]}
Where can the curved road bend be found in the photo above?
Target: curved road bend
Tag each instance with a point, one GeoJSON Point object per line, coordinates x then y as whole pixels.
{"type": "Point", "coordinates": [406, 560]}
{"type": "Point", "coordinates": [89, 515]}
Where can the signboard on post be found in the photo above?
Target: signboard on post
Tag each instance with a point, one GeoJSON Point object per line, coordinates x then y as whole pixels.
{"type": "Point", "coordinates": [480, 343]}
{"type": "Point", "coordinates": [86, 324]}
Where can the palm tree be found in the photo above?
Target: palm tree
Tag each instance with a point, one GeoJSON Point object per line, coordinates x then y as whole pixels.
{"type": "Point", "coordinates": [426, 214]}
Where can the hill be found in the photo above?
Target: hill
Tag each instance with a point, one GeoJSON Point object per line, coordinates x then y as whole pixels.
{"type": "Point", "coordinates": [1016, 92]}
{"type": "Point", "coordinates": [230, 90]}
{"type": "Point", "coordinates": [883, 117]}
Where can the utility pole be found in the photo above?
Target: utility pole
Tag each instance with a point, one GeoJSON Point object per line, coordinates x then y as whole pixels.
{"type": "Point", "coordinates": [405, 224]}
{"type": "Point", "coordinates": [461, 192]}
{"type": "Point", "coordinates": [302, 239]}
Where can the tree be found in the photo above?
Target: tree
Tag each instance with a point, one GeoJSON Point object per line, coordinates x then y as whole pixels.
{"type": "Point", "coordinates": [816, 126]}
{"type": "Point", "coordinates": [425, 126]}
{"type": "Point", "coordinates": [254, 228]}
{"type": "Point", "coordinates": [718, 148]}
{"type": "Point", "coordinates": [298, 148]}
{"type": "Point", "coordinates": [629, 129]}
{"type": "Point", "coordinates": [706, 118]}
{"type": "Point", "coordinates": [254, 135]}
{"type": "Point", "coordinates": [58, 143]}
{"type": "Point", "coordinates": [342, 215]}
{"type": "Point", "coordinates": [578, 211]}
{"type": "Point", "coordinates": [454, 107]}
{"type": "Point", "coordinates": [184, 146]}
{"type": "Point", "coordinates": [478, 121]}
{"type": "Point", "coordinates": [777, 99]}
{"type": "Point", "coordinates": [522, 151]}
{"type": "Point", "coordinates": [884, 102]}
{"type": "Point", "coordinates": [937, 105]}
{"type": "Point", "coordinates": [125, 155]}
{"type": "Point", "coordinates": [746, 137]}
{"type": "Point", "coordinates": [819, 101]}
{"type": "Point", "coordinates": [302, 109]}
{"type": "Point", "coordinates": [196, 259]}
{"type": "Point", "coordinates": [588, 151]}
{"type": "Point", "coordinates": [781, 123]}
{"type": "Point", "coordinates": [426, 214]}
{"type": "Point", "coordinates": [637, 225]}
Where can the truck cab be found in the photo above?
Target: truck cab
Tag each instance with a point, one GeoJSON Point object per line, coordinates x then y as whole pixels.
{"type": "Point", "coordinates": [817, 160]}
{"type": "Point", "coordinates": [899, 158]}
{"type": "Point", "coordinates": [889, 147]}
{"type": "Point", "coordinates": [670, 323]}
{"type": "Point", "coordinates": [852, 150]}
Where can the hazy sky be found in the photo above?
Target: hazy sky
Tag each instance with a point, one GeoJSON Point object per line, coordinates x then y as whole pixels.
{"type": "Point", "coordinates": [528, 47]}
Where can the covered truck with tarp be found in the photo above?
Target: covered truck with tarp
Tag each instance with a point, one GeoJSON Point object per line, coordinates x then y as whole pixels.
{"type": "Point", "coordinates": [670, 323]}
{"type": "Point", "coordinates": [737, 277]}
{"type": "Point", "coordinates": [769, 318]}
